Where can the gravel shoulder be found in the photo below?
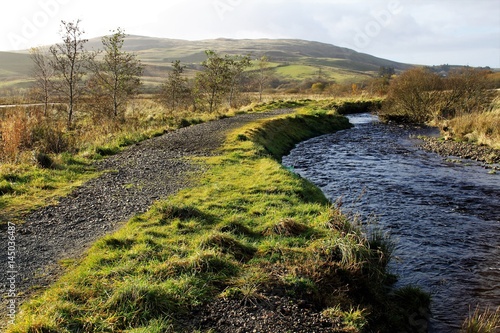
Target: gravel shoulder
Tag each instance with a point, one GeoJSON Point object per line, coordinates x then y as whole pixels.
{"type": "Point", "coordinates": [135, 179]}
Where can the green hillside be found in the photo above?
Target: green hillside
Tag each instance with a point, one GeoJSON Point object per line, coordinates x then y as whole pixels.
{"type": "Point", "coordinates": [292, 59]}
{"type": "Point", "coordinates": [15, 69]}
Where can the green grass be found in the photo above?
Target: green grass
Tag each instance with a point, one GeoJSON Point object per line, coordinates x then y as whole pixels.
{"type": "Point", "coordinates": [248, 227]}
{"type": "Point", "coordinates": [338, 70]}
{"type": "Point", "coordinates": [297, 71]}
{"type": "Point", "coordinates": [345, 64]}
{"type": "Point", "coordinates": [342, 106]}
{"type": "Point", "coordinates": [24, 187]}
{"type": "Point", "coordinates": [27, 186]}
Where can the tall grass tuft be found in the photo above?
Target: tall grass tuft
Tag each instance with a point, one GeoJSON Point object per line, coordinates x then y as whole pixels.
{"type": "Point", "coordinates": [482, 321]}
{"type": "Point", "coordinates": [135, 303]}
{"type": "Point", "coordinates": [481, 128]}
{"type": "Point", "coordinates": [14, 134]}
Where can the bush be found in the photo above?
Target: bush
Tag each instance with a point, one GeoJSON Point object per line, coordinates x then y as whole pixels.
{"type": "Point", "coordinates": [413, 95]}
{"type": "Point", "coordinates": [419, 95]}
{"type": "Point", "coordinates": [51, 137]}
{"type": "Point", "coordinates": [15, 135]}
{"type": "Point", "coordinates": [23, 130]}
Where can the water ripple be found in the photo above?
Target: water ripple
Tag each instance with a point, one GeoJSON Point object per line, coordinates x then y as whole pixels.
{"type": "Point", "coordinates": [445, 217]}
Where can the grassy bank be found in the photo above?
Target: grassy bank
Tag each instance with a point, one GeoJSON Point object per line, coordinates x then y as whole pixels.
{"type": "Point", "coordinates": [248, 229]}
{"type": "Point", "coordinates": [479, 128]}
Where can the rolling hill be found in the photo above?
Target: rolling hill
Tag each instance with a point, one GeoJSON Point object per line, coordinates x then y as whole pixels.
{"type": "Point", "coordinates": [292, 59]}
{"type": "Point", "coordinates": [15, 70]}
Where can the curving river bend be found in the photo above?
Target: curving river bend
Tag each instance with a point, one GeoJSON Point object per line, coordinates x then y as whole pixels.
{"type": "Point", "coordinates": [444, 216]}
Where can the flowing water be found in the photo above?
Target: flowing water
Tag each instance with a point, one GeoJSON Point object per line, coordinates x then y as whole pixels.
{"type": "Point", "coordinates": [444, 216]}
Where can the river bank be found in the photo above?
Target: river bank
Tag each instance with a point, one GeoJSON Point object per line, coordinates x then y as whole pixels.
{"type": "Point", "coordinates": [247, 237]}
{"type": "Point", "coordinates": [462, 150]}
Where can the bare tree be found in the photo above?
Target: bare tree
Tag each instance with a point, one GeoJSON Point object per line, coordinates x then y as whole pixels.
{"type": "Point", "coordinates": [263, 75]}
{"type": "Point", "coordinates": [68, 61]}
{"type": "Point", "coordinates": [43, 74]}
{"type": "Point", "coordinates": [175, 91]}
{"type": "Point", "coordinates": [119, 73]}
{"type": "Point", "coordinates": [420, 95]}
{"type": "Point", "coordinates": [466, 91]}
{"type": "Point", "coordinates": [212, 82]}
{"type": "Point", "coordinates": [236, 66]}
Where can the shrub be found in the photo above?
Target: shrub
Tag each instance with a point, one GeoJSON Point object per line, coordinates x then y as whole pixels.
{"type": "Point", "coordinates": [413, 96]}
{"type": "Point", "coordinates": [419, 95]}
{"type": "Point", "coordinates": [43, 160]}
{"type": "Point", "coordinates": [15, 135]}
{"type": "Point", "coordinates": [50, 137]}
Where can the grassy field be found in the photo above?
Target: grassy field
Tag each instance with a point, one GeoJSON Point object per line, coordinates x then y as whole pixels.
{"type": "Point", "coordinates": [249, 227]}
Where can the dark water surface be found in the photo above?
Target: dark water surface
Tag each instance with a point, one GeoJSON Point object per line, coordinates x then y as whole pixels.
{"type": "Point", "coordinates": [444, 216]}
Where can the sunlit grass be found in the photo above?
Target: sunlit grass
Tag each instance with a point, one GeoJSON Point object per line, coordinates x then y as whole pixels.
{"type": "Point", "coordinates": [481, 128]}
{"type": "Point", "coordinates": [27, 186]}
{"type": "Point", "coordinates": [248, 227]}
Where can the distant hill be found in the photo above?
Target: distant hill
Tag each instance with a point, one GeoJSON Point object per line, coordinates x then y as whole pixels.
{"type": "Point", "coordinates": [14, 65]}
{"type": "Point", "coordinates": [291, 58]}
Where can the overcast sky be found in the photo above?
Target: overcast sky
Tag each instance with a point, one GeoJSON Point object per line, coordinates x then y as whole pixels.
{"type": "Point", "coordinates": [430, 32]}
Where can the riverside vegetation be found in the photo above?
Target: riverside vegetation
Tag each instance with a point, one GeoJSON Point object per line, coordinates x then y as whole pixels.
{"type": "Point", "coordinates": [463, 104]}
{"type": "Point", "coordinates": [27, 185]}
{"type": "Point", "coordinates": [249, 230]}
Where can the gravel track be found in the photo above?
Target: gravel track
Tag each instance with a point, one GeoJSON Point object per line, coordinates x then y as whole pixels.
{"type": "Point", "coordinates": [140, 175]}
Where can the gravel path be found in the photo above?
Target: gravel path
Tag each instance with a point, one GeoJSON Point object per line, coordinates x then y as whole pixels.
{"type": "Point", "coordinates": [140, 175]}
{"type": "Point", "coordinates": [274, 313]}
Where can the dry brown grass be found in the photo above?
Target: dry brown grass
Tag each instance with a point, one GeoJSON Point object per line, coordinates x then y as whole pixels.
{"type": "Point", "coordinates": [17, 132]}
{"type": "Point", "coordinates": [481, 128]}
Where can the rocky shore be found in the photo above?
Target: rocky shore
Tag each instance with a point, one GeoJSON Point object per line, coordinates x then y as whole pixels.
{"type": "Point", "coordinates": [463, 150]}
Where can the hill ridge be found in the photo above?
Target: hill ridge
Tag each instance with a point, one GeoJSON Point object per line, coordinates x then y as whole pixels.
{"type": "Point", "coordinates": [296, 59]}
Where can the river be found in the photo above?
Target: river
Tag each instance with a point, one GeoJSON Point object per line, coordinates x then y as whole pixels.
{"type": "Point", "coordinates": [444, 215]}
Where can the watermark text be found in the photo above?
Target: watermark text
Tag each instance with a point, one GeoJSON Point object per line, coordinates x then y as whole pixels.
{"type": "Point", "coordinates": [11, 289]}
{"type": "Point", "coordinates": [32, 25]}
{"type": "Point", "coordinates": [380, 19]}
{"type": "Point", "coordinates": [222, 7]}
